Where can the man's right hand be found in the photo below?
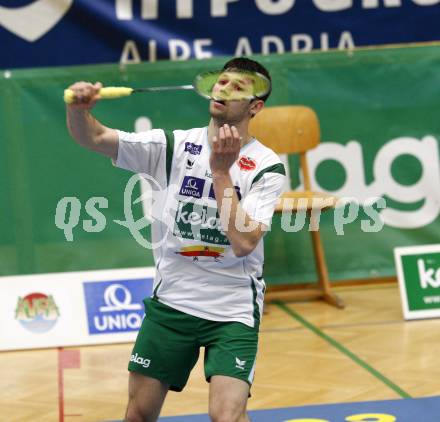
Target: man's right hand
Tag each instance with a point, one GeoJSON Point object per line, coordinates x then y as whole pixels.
{"type": "Point", "coordinates": [85, 95]}
{"type": "Point", "coordinates": [84, 128]}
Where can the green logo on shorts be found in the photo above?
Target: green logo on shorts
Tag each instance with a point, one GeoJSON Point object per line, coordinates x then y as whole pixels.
{"type": "Point", "coordinates": [140, 360]}
{"type": "Point", "coordinates": [239, 363]}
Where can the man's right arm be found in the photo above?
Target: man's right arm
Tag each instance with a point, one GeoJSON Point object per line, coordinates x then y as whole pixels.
{"type": "Point", "coordinates": [83, 127]}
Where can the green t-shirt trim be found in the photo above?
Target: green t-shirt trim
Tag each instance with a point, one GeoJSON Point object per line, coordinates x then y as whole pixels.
{"type": "Point", "coordinates": [276, 168]}
{"type": "Point", "coordinates": [169, 152]}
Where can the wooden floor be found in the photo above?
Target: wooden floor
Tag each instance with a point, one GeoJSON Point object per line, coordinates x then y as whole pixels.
{"type": "Point", "coordinates": [310, 353]}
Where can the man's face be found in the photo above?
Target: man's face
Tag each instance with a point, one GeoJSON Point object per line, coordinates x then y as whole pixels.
{"type": "Point", "coordinates": [233, 85]}
{"type": "Point", "coordinates": [230, 86]}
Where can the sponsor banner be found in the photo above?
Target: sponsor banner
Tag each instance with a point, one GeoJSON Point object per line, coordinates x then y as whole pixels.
{"type": "Point", "coordinates": [76, 308]}
{"type": "Point", "coordinates": [131, 31]}
{"type": "Point", "coordinates": [418, 271]}
{"type": "Point", "coordinates": [64, 208]}
{"type": "Point", "coordinates": [424, 409]}
{"type": "Point", "coordinates": [115, 307]}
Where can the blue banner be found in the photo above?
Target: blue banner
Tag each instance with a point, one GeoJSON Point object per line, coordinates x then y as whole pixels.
{"type": "Point", "coordinates": [37, 33]}
{"type": "Point", "coordinates": [424, 409]}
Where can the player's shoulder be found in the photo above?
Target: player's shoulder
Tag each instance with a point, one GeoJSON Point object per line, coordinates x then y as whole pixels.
{"type": "Point", "coordinates": [194, 135]}
{"type": "Point", "coordinates": [257, 161]}
{"type": "Point", "coordinates": [262, 154]}
{"type": "Point", "coordinates": [143, 137]}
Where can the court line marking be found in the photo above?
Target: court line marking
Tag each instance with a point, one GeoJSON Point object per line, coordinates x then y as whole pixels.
{"type": "Point", "coordinates": [67, 359]}
{"type": "Point", "coordinates": [360, 287]}
{"type": "Point", "coordinates": [60, 387]}
{"type": "Point", "coordinates": [343, 350]}
{"type": "Point", "coordinates": [352, 325]}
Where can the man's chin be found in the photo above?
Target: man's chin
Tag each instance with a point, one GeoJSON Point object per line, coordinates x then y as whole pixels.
{"type": "Point", "coordinates": [215, 112]}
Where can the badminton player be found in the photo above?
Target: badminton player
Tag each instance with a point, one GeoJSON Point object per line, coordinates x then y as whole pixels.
{"type": "Point", "coordinates": [209, 287]}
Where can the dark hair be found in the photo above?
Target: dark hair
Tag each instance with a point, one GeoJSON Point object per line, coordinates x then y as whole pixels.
{"type": "Point", "coordinates": [243, 63]}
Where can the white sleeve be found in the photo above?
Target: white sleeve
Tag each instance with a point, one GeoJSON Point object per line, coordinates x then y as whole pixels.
{"type": "Point", "coordinates": [260, 202]}
{"type": "Point", "coordinates": [143, 152]}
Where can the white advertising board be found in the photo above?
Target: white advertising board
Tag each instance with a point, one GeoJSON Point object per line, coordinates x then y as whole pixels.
{"type": "Point", "coordinates": [418, 272]}
{"type": "Point", "coordinates": [74, 308]}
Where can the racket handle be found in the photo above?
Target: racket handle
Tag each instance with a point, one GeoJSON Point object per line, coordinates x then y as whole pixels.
{"type": "Point", "coordinates": [107, 93]}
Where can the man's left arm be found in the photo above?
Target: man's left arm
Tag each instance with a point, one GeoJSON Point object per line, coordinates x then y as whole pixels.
{"type": "Point", "coordinates": [242, 231]}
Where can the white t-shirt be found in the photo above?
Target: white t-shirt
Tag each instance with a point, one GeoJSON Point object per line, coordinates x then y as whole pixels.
{"type": "Point", "coordinates": [197, 271]}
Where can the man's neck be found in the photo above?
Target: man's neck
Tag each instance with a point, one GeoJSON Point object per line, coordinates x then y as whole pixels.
{"type": "Point", "coordinates": [242, 128]}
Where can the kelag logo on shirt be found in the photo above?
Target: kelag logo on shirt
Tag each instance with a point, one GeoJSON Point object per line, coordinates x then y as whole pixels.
{"type": "Point", "coordinates": [199, 222]}
{"type": "Point", "coordinates": [116, 306]}
{"type": "Point", "coordinates": [193, 148]}
{"type": "Point", "coordinates": [192, 186]}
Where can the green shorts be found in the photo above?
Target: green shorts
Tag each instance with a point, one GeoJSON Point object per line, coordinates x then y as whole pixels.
{"type": "Point", "coordinates": [168, 344]}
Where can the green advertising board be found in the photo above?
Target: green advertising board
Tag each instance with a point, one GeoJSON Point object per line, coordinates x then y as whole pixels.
{"type": "Point", "coordinates": [418, 271]}
{"type": "Point", "coordinates": [380, 127]}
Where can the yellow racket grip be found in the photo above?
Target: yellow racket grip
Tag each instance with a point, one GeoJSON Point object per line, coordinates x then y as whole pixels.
{"type": "Point", "coordinates": [108, 92]}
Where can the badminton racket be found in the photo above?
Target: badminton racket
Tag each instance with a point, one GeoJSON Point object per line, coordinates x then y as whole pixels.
{"type": "Point", "coordinates": [220, 85]}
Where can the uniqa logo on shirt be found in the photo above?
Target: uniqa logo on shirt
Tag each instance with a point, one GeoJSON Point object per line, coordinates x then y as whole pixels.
{"type": "Point", "coordinates": [192, 186]}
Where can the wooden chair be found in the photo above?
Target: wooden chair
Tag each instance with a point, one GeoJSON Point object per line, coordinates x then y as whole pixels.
{"type": "Point", "coordinates": [295, 130]}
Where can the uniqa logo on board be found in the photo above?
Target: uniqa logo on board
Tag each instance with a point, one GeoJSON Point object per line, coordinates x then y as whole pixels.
{"type": "Point", "coordinates": [37, 312]}
{"type": "Point", "coordinates": [116, 306]}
